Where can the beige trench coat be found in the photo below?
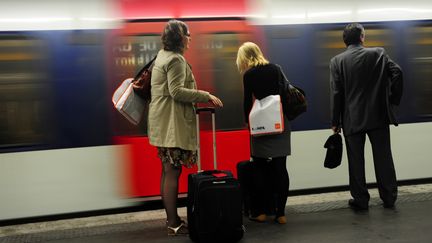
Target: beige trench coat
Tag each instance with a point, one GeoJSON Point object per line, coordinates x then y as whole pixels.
{"type": "Point", "coordinates": [171, 120]}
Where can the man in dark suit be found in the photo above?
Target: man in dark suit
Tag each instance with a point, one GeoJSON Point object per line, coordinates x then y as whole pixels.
{"type": "Point", "coordinates": [365, 85]}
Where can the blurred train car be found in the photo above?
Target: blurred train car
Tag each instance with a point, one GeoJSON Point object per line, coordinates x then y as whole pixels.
{"type": "Point", "coordinates": [55, 135]}
{"type": "Point", "coordinates": [65, 149]}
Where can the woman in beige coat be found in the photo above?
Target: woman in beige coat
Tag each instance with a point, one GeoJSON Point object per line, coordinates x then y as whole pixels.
{"type": "Point", "coordinates": [171, 121]}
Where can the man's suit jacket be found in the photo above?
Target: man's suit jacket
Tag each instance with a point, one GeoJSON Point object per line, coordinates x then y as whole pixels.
{"type": "Point", "coordinates": [365, 85]}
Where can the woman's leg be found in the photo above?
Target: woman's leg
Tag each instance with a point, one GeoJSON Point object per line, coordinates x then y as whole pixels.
{"type": "Point", "coordinates": [169, 188]}
{"type": "Point", "coordinates": [281, 183]}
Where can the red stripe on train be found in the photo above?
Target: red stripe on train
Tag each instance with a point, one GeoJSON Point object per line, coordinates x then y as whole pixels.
{"type": "Point", "coordinates": [142, 166]}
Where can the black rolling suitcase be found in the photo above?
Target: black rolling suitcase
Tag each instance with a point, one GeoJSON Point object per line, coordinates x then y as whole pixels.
{"type": "Point", "coordinates": [214, 206]}
{"type": "Point", "coordinates": [245, 177]}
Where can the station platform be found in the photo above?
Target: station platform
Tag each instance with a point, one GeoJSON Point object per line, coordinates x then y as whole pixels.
{"type": "Point", "coordinates": [323, 217]}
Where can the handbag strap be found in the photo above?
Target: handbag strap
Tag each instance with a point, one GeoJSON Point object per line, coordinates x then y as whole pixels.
{"type": "Point", "coordinates": [144, 68]}
{"type": "Point", "coordinates": [282, 82]}
{"type": "Point", "coordinates": [284, 85]}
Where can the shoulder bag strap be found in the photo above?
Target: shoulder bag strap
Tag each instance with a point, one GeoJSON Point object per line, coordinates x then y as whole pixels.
{"type": "Point", "coordinates": [144, 68]}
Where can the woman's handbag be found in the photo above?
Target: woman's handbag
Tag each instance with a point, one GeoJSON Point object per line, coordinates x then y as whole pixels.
{"type": "Point", "coordinates": [293, 98]}
{"type": "Point", "coordinates": [296, 101]}
{"type": "Point", "coordinates": [128, 103]}
{"type": "Point", "coordinates": [266, 116]}
{"type": "Point", "coordinates": [133, 94]}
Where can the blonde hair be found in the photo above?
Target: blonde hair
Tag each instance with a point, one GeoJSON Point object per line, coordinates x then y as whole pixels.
{"type": "Point", "coordinates": [249, 55]}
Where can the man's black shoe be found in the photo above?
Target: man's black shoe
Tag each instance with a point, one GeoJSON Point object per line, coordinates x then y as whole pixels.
{"type": "Point", "coordinates": [389, 205]}
{"type": "Point", "coordinates": [355, 206]}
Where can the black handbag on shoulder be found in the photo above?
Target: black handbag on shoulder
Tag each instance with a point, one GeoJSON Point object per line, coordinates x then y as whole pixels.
{"type": "Point", "coordinates": [293, 98]}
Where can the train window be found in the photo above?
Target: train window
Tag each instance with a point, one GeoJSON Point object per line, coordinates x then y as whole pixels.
{"type": "Point", "coordinates": [24, 91]}
{"type": "Point", "coordinates": [217, 72]}
{"type": "Point", "coordinates": [330, 44]}
{"type": "Point", "coordinates": [420, 42]}
{"type": "Point", "coordinates": [130, 54]}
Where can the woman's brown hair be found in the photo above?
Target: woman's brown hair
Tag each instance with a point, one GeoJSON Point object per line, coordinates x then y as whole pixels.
{"type": "Point", "coordinates": [173, 34]}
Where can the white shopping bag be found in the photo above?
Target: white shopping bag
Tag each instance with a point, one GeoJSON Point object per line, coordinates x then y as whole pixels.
{"type": "Point", "coordinates": [266, 116]}
{"type": "Point", "coordinates": [129, 104]}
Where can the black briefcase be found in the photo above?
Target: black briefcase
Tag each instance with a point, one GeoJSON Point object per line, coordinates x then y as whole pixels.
{"type": "Point", "coordinates": [334, 151]}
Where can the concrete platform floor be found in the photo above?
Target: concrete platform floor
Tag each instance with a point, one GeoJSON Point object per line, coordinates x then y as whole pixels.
{"type": "Point", "coordinates": [311, 218]}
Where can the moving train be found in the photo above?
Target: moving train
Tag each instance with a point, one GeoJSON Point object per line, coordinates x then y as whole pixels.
{"type": "Point", "coordinates": [65, 149]}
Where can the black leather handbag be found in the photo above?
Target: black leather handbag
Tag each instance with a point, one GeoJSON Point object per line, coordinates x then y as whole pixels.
{"type": "Point", "coordinates": [293, 98]}
{"type": "Point", "coordinates": [297, 103]}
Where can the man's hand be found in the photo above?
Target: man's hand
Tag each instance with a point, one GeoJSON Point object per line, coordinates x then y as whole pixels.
{"type": "Point", "coordinates": [336, 129]}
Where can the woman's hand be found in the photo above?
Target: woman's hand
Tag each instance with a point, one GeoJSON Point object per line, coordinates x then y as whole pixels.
{"type": "Point", "coordinates": [215, 101]}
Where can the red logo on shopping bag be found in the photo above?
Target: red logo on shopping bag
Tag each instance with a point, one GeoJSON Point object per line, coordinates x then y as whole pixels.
{"type": "Point", "coordinates": [277, 125]}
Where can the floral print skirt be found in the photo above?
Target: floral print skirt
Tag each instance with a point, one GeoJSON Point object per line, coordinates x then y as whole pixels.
{"type": "Point", "coordinates": [177, 156]}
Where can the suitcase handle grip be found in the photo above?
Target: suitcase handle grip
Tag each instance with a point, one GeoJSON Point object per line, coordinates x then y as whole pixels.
{"type": "Point", "coordinates": [197, 111]}
{"type": "Point", "coordinates": [204, 109]}
{"type": "Point", "coordinates": [211, 172]}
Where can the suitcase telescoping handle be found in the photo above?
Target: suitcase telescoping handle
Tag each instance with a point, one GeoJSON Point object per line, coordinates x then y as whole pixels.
{"type": "Point", "coordinates": [197, 112]}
